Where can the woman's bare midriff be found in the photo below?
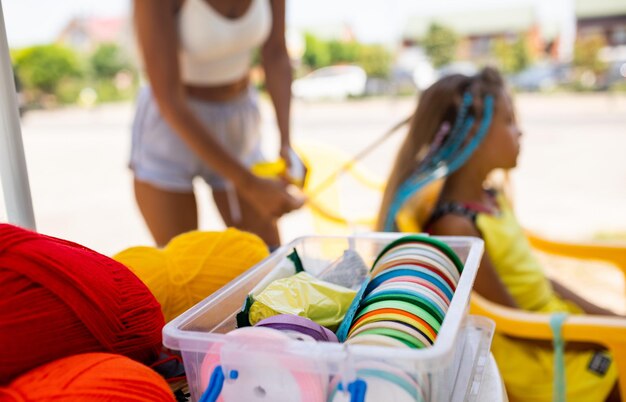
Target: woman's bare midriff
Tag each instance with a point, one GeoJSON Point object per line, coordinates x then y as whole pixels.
{"type": "Point", "coordinates": [220, 93]}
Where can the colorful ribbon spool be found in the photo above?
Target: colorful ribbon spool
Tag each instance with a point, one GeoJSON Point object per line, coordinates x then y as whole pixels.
{"type": "Point", "coordinates": [293, 323]}
{"type": "Point", "coordinates": [259, 376]}
{"type": "Point", "coordinates": [376, 340]}
{"type": "Point", "coordinates": [384, 383]}
{"type": "Point", "coordinates": [409, 296]}
{"type": "Point", "coordinates": [399, 316]}
{"type": "Point", "coordinates": [422, 283]}
{"type": "Point", "coordinates": [399, 326]}
{"type": "Point", "coordinates": [431, 259]}
{"type": "Point", "coordinates": [426, 249]}
{"type": "Point", "coordinates": [417, 272]}
{"type": "Point", "coordinates": [423, 240]}
{"type": "Point", "coordinates": [420, 290]}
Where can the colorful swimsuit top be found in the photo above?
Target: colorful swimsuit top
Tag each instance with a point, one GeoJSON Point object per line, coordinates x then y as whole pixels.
{"type": "Point", "coordinates": [510, 253]}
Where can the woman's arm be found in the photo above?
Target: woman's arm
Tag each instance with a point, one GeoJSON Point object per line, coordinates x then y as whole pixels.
{"type": "Point", "coordinates": [155, 23]}
{"type": "Point", "coordinates": [488, 283]}
{"type": "Point", "coordinates": [277, 66]}
{"type": "Point", "coordinates": [156, 31]}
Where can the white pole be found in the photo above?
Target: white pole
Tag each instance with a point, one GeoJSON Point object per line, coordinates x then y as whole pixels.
{"type": "Point", "coordinates": [13, 172]}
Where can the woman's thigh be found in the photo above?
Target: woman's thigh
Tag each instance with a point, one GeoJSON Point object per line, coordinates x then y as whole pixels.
{"type": "Point", "coordinates": [166, 213]}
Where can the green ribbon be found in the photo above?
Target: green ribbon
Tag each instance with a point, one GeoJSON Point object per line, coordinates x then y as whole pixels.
{"type": "Point", "coordinates": [556, 324]}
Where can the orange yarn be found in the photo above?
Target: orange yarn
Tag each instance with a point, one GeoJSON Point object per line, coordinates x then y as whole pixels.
{"type": "Point", "coordinates": [98, 377]}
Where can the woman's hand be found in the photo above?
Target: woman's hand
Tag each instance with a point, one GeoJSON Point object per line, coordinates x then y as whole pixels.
{"type": "Point", "coordinates": [296, 170]}
{"type": "Point", "coordinates": [285, 154]}
{"type": "Point", "coordinates": [269, 197]}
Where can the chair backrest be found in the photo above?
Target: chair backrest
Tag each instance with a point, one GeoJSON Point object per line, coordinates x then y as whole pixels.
{"type": "Point", "coordinates": [332, 208]}
{"type": "Point", "coordinates": [418, 209]}
{"type": "Point", "coordinates": [346, 203]}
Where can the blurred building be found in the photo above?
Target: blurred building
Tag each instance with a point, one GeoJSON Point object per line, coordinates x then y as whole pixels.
{"type": "Point", "coordinates": [84, 34]}
{"type": "Point", "coordinates": [605, 18]}
{"type": "Point", "coordinates": [342, 32]}
{"type": "Point", "coordinates": [602, 17]}
{"type": "Point", "coordinates": [477, 29]}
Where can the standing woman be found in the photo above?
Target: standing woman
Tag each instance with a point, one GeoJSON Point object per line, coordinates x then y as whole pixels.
{"type": "Point", "coordinates": [199, 116]}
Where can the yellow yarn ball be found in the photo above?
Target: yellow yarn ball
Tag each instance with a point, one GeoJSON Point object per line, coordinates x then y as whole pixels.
{"type": "Point", "coordinates": [193, 265]}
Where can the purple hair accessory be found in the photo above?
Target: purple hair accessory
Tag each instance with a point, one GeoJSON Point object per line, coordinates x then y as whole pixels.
{"type": "Point", "coordinates": [443, 131]}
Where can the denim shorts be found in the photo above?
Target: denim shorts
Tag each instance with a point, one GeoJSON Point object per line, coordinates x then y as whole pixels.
{"type": "Point", "coordinates": [161, 158]}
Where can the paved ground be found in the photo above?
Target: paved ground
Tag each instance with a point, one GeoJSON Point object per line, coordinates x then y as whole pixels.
{"type": "Point", "coordinates": [571, 180]}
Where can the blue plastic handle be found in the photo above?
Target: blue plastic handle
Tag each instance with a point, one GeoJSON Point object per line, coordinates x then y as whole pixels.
{"type": "Point", "coordinates": [357, 390]}
{"type": "Point", "coordinates": [216, 383]}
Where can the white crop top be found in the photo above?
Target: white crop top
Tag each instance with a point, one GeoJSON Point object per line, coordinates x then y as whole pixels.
{"type": "Point", "coordinates": [216, 50]}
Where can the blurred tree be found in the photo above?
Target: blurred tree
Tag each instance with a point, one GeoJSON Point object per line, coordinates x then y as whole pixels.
{"type": "Point", "coordinates": [343, 52]}
{"type": "Point", "coordinates": [512, 57]}
{"type": "Point", "coordinates": [440, 44]}
{"type": "Point", "coordinates": [316, 54]}
{"type": "Point", "coordinates": [43, 67]}
{"type": "Point", "coordinates": [108, 60]}
{"type": "Point", "coordinates": [521, 51]}
{"type": "Point", "coordinates": [587, 54]}
{"type": "Point", "coordinates": [375, 60]}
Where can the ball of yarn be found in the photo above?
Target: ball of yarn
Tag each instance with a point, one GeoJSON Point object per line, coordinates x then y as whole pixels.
{"type": "Point", "coordinates": [193, 265]}
{"type": "Point", "coordinates": [60, 299]}
{"type": "Point", "coordinates": [99, 377]}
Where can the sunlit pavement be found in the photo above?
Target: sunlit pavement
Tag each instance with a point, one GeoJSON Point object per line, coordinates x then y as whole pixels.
{"type": "Point", "coordinates": [571, 180]}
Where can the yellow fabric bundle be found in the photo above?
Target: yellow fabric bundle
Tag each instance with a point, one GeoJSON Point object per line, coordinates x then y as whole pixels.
{"type": "Point", "coordinates": [303, 295]}
{"type": "Point", "coordinates": [193, 265]}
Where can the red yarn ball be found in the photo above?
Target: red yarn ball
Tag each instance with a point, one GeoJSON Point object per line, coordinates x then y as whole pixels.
{"type": "Point", "coordinates": [98, 377]}
{"type": "Point", "coordinates": [60, 299]}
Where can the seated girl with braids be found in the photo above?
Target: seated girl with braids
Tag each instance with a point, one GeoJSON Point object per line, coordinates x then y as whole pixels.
{"type": "Point", "coordinates": [465, 128]}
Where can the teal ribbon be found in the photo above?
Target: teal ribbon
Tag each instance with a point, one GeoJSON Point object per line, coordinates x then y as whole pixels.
{"type": "Point", "coordinates": [556, 324]}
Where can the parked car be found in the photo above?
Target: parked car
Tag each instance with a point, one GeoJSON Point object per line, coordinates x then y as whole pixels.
{"type": "Point", "coordinates": [540, 77]}
{"type": "Point", "coordinates": [334, 82]}
{"type": "Point", "coordinates": [458, 67]}
{"type": "Point", "coordinates": [616, 73]}
{"type": "Point", "coordinates": [424, 75]}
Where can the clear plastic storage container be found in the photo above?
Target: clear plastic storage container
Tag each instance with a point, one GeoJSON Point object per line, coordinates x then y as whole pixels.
{"type": "Point", "coordinates": [275, 371]}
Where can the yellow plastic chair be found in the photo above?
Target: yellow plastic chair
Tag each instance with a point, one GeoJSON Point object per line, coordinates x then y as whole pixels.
{"type": "Point", "coordinates": [607, 331]}
{"type": "Point", "coordinates": [328, 193]}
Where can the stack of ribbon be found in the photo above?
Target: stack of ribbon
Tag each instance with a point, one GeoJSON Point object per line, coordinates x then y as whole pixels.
{"type": "Point", "coordinates": [404, 306]}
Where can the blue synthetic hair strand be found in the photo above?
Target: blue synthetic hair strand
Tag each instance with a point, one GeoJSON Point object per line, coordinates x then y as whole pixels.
{"type": "Point", "coordinates": [446, 160]}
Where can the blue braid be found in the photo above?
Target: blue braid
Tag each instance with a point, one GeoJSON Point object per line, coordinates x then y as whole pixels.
{"type": "Point", "coordinates": [466, 152]}
{"type": "Point", "coordinates": [454, 138]}
{"type": "Point", "coordinates": [442, 154]}
{"type": "Point", "coordinates": [457, 141]}
{"type": "Point", "coordinates": [451, 143]}
{"type": "Point", "coordinates": [448, 162]}
{"type": "Point", "coordinates": [460, 117]}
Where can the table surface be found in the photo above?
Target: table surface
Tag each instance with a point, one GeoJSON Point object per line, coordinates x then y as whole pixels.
{"type": "Point", "coordinates": [492, 388]}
